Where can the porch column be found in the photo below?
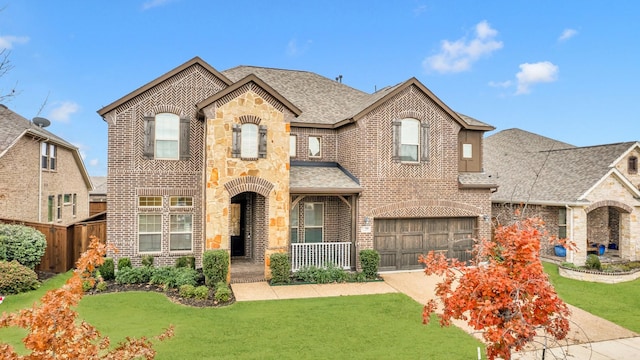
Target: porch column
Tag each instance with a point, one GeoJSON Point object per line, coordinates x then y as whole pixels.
{"type": "Point", "coordinates": [578, 234]}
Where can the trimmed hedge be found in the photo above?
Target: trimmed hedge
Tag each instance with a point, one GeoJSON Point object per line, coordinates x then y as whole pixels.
{"type": "Point", "coordinates": [123, 263]}
{"type": "Point", "coordinates": [147, 260]}
{"type": "Point", "coordinates": [186, 261]}
{"type": "Point", "coordinates": [107, 269]}
{"type": "Point", "coordinates": [16, 278]}
{"type": "Point", "coordinates": [370, 260]}
{"type": "Point", "coordinates": [215, 266]}
{"type": "Point", "coordinates": [280, 268]}
{"type": "Point", "coordinates": [24, 244]}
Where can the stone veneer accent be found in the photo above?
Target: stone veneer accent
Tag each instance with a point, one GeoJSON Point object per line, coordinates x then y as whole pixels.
{"type": "Point", "coordinates": [597, 276]}
{"type": "Point", "coordinates": [226, 176]}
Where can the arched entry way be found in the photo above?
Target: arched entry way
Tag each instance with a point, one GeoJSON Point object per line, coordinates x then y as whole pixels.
{"type": "Point", "coordinates": [608, 225]}
{"type": "Point", "coordinates": [248, 227]}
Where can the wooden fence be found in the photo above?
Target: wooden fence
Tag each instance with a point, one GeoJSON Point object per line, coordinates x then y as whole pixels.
{"type": "Point", "coordinates": [64, 243]}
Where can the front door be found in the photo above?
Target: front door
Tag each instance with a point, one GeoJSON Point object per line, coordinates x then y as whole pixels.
{"type": "Point", "coordinates": [237, 227]}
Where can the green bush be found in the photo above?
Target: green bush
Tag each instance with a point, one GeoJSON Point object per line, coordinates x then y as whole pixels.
{"type": "Point", "coordinates": [215, 265]}
{"type": "Point", "coordinates": [107, 269]}
{"type": "Point", "coordinates": [172, 277]}
{"type": "Point", "coordinates": [123, 263]}
{"type": "Point", "coordinates": [593, 262]}
{"type": "Point", "coordinates": [186, 261]}
{"type": "Point", "coordinates": [138, 275]}
{"type": "Point", "coordinates": [16, 278]}
{"type": "Point", "coordinates": [568, 265]}
{"type": "Point", "coordinates": [147, 260]}
{"type": "Point", "coordinates": [86, 286]}
{"type": "Point", "coordinates": [223, 292]}
{"type": "Point", "coordinates": [201, 292]}
{"type": "Point", "coordinates": [101, 286]}
{"type": "Point", "coordinates": [187, 291]}
{"type": "Point", "coordinates": [307, 274]}
{"type": "Point", "coordinates": [329, 274]}
{"type": "Point", "coordinates": [337, 274]}
{"type": "Point", "coordinates": [280, 268]}
{"type": "Point", "coordinates": [370, 260]}
{"type": "Point", "coordinates": [24, 244]}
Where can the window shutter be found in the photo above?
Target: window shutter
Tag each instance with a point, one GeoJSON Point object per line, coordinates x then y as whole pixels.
{"type": "Point", "coordinates": [235, 146]}
{"type": "Point", "coordinates": [185, 135]}
{"type": "Point", "coordinates": [396, 125]}
{"type": "Point", "coordinates": [149, 137]}
{"type": "Point", "coordinates": [424, 142]}
{"type": "Point", "coordinates": [262, 142]}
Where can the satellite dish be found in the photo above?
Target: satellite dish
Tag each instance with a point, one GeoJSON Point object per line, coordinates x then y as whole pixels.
{"type": "Point", "coordinates": [41, 122]}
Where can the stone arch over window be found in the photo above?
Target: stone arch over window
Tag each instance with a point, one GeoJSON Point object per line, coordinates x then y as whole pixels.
{"type": "Point", "coordinates": [426, 208]}
{"type": "Point", "coordinates": [621, 206]}
{"type": "Point", "coordinates": [249, 119]}
{"type": "Point", "coordinates": [167, 108]}
{"type": "Point", "coordinates": [250, 184]}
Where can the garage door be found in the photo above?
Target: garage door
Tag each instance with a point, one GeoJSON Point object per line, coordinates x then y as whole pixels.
{"type": "Point", "coordinates": [401, 241]}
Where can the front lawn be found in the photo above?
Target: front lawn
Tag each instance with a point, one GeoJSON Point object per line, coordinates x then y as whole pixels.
{"type": "Point", "coordinates": [356, 327]}
{"type": "Point", "coordinates": [618, 303]}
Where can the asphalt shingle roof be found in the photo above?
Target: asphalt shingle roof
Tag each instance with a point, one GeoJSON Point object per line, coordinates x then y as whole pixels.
{"type": "Point", "coordinates": [535, 169]}
{"type": "Point", "coordinates": [322, 179]}
{"type": "Point", "coordinates": [12, 126]}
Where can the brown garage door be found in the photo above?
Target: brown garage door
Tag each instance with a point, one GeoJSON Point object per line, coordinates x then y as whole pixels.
{"type": "Point", "coordinates": [401, 241]}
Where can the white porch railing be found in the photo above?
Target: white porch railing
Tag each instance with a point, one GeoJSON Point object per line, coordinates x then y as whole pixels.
{"type": "Point", "coordinates": [319, 254]}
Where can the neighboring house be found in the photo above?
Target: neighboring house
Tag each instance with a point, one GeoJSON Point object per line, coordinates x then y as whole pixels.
{"type": "Point", "coordinates": [42, 176]}
{"type": "Point", "coordinates": [259, 160]}
{"type": "Point", "coordinates": [586, 194]}
{"type": "Point", "coordinates": [98, 196]}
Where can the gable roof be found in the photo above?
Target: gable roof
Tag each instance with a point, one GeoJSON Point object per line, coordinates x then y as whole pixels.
{"type": "Point", "coordinates": [531, 168]}
{"type": "Point", "coordinates": [13, 127]}
{"type": "Point", "coordinates": [195, 61]}
{"type": "Point", "coordinates": [251, 78]}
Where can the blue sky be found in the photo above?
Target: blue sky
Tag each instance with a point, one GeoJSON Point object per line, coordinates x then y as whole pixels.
{"type": "Point", "coordinates": [564, 69]}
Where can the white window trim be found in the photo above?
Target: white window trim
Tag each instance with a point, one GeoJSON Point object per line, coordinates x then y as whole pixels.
{"type": "Point", "coordinates": [180, 206]}
{"type": "Point", "coordinates": [149, 206]}
{"type": "Point", "coordinates": [249, 143]}
{"type": "Point", "coordinates": [305, 227]}
{"type": "Point", "coordinates": [293, 146]}
{"type": "Point", "coordinates": [190, 250]}
{"type": "Point", "coordinates": [467, 151]}
{"type": "Point", "coordinates": [319, 147]}
{"type": "Point", "coordinates": [175, 136]}
{"type": "Point", "coordinates": [161, 233]}
{"type": "Point", "coordinates": [404, 142]}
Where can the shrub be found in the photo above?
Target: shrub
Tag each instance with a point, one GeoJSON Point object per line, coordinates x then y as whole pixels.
{"type": "Point", "coordinates": [138, 275]}
{"type": "Point", "coordinates": [24, 244]}
{"type": "Point", "coordinates": [223, 292]}
{"type": "Point", "coordinates": [215, 265]}
{"type": "Point", "coordinates": [101, 286]}
{"type": "Point", "coordinates": [280, 268]}
{"type": "Point", "coordinates": [370, 259]}
{"type": "Point", "coordinates": [123, 263]}
{"type": "Point", "coordinates": [187, 291]}
{"type": "Point", "coordinates": [593, 262]}
{"type": "Point", "coordinates": [201, 292]}
{"type": "Point", "coordinates": [107, 269]}
{"type": "Point", "coordinates": [307, 274]}
{"type": "Point", "coordinates": [147, 260]}
{"type": "Point", "coordinates": [16, 278]}
{"type": "Point", "coordinates": [568, 265]}
{"type": "Point", "coordinates": [186, 261]}
{"type": "Point", "coordinates": [87, 285]}
{"type": "Point", "coordinates": [172, 277]}
{"type": "Point", "coordinates": [337, 274]}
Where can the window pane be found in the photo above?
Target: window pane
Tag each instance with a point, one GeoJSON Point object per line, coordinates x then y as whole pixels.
{"type": "Point", "coordinates": [295, 212]}
{"type": "Point", "coordinates": [50, 208]}
{"type": "Point", "coordinates": [314, 146]}
{"type": "Point", "coordinates": [467, 151]}
{"type": "Point", "coordinates": [150, 242]}
{"type": "Point", "coordinates": [52, 157]}
{"type": "Point", "coordinates": [313, 214]}
{"type": "Point", "coordinates": [150, 223]}
{"type": "Point", "coordinates": [167, 136]}
{"type": "Point", "coordinates": [294, 235]}
{"type": "Point", "coordinates": [562, 216]}
{"type": "Point", "coordinates": [410, 132]}
{"type": "Point", "coordinates": [166, 149]}
{"type": "Point", "coordinates": [180, 228]}
{"type": "Point", "coordinates": [292, 145]}
{"type": "Point", "coordinates": [176, 201]}
{"type": "Point", "coordinates": [562, 232]}
{"type": "Point", "coordinates": [312, 235]}
{"type": "Point", "coordinates": [181, 223]}
{"type": "Point", "coordinates": [409, 152]}
{"type": "Point", "coordinates": [180, 242]}
{"type": "Point", "coordinates": [149, 201]}
{"type": "Point", "coordinates": [249, 141]}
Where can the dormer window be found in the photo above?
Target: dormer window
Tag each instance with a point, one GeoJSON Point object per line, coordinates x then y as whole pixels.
{"type": "Point", "coordinates": [632, 165]}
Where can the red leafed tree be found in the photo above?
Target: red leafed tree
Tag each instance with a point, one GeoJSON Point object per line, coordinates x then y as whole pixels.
{"type": "Point", "coordinates": [504, 292]}
{"type": "Point", "coordinates": [56, 333]}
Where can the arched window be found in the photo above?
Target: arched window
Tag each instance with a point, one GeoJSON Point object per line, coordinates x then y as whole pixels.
{"type": "Point", "coordinates": [167, 136]}
{"type": "Point", "coordinates": [249, 141]}
{"type": "Point", "coordinates": [410, 140]}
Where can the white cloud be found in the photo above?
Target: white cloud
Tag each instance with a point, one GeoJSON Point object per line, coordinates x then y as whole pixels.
{"type": "Point", "coordinates": [500, 84]}
{"type": "Point", "coordinates": [540, 72]}
{"type": "Point", "coordinates": [459, 55]}
{"type": "Point", "coordinates": [154, 3]}
{"type": "Point", "coordinates": [567, 34]}
{"type": "Point", "coordinates": [418, 10]}
{"type": "Point", "coordinates": [94, 162]}
{"type": "Point", "coordinates": [293, 49]}
{"type": "Point", "coordinates": [7, 41]}
{"type": "Point", "coordinates": [63, 111]}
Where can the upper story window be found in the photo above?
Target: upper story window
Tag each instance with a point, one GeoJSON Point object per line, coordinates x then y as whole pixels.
{"type": "Point", "coordinates": [166, 137]}
{"type": "Point", "coordinates": [632, 165]}
{"type": "Point", "coordinates": [315, 146]}
{"type": "Point", "coordinates": [467, 151]}
{"type": "Point", "coordinates": [249, 140]}
{"type": "Point", "coordinates": [410, 140]}
{"type": "Point", "coordinates": [293, 140]}
{"type": "Point", "coordinates": [49, 153]}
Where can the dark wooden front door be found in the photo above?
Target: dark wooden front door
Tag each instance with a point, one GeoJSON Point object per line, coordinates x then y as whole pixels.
{"type": "Point", "coordinates": [237, 227]}
{"type": "Point", "coordinates": [401, 241]}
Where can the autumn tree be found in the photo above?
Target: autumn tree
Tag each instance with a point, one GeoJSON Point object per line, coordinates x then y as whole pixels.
{"type": "Point", "coordinates": [504, 292]}
{"type": "Point", "coordinates": [55, 331]}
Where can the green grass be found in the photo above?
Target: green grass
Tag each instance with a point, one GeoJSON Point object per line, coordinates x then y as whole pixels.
{"type": "Point", "coordinates": [357, 327]}
{"type": "Point", "coordinates": [618, 303]}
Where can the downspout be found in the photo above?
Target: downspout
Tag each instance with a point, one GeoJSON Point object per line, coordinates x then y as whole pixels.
{"type": "Point", "coordinates": [571, 252]}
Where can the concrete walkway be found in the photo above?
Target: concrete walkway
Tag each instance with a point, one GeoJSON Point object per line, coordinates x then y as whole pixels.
{"type": "Point", "coordinates": [590, 337]}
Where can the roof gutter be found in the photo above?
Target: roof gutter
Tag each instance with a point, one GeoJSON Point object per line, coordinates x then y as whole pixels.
{"type": "Point", "coordinates": [324, 191]}
{"type": "Point", "coordinates": [542, 202]}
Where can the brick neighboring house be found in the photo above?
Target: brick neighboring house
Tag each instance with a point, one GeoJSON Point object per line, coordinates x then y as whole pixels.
{"type": "Point", "coordinates": [259, 160]}
{"type": "Point", "coordinates": [587, 194]}
{"type": "Point", "coordinates": [42, 176]}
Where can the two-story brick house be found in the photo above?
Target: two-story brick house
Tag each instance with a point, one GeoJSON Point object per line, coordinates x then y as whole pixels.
{"type": "Point", "coordinates": [42, 176]}
{"type": "Point", "coordinates": [259, 160]}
